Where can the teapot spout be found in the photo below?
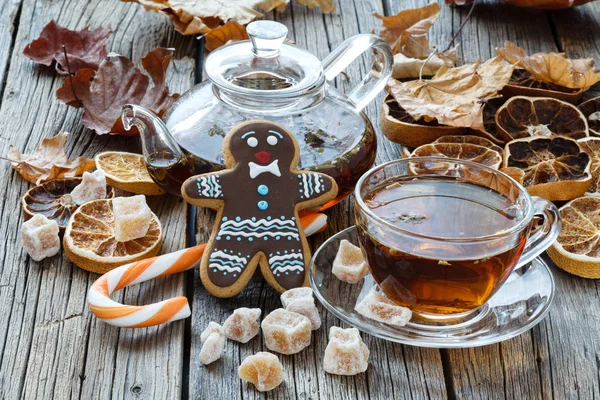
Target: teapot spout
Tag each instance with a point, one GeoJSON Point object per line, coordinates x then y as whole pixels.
{"type": "Point", "coordinates": [162, 154]}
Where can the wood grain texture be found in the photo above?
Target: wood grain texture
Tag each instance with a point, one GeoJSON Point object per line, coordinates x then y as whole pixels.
{"type": "Point", "coordinates": [391, 365]}
{"type": "Point", "coordinates": [52, 347]}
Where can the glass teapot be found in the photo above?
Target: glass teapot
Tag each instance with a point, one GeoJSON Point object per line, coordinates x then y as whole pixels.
{"type": "Point", "coordinates": [265, 78]}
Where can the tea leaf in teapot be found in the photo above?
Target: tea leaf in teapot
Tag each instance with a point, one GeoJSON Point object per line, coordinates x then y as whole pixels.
{"type": "Point", "coordinates": [554, 68]}
{"type": "Point", "coordinates": [86, 48]}
{"type": "Point", "coordinates": [454, 96]}
{"type": "Point", "coordinates": [231, 31]}
{"type": "Point", "coordinates": [118, 82]}
{"type": "Point", "coordinates": [49, 161]}
{"type": "Point", "coordinates": [192, 17]}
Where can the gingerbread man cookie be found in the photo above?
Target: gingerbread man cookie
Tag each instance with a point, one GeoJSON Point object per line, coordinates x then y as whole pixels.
{"type": "Point", "coordinates": [257, 199]}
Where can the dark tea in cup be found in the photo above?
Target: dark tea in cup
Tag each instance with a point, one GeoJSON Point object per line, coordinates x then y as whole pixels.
{"type": "Point", "coordinates": [442, 237]}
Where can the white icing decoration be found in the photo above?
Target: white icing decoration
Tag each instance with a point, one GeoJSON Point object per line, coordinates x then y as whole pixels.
{"type": "Point", "coordinates": [288, 268]}
{"type": "Point", "coordinates": [224, 268]}
{"type": "Point", "coordinates": [260, 222]}
{"type": "Point", "coordinates": [256, 170]}
{"type": "Point", "coordinates": [252, 142]}
{"type": "Point", "coordinates": [272, 140]}
{"type": "Point", "coordinates": [305, 184]}
{"type": "Point", "coordinates": [317, 183]}
{"type": "Point", "coordinates": [231, 257]}
{"type": "Point", "coordinates": [285, 257]}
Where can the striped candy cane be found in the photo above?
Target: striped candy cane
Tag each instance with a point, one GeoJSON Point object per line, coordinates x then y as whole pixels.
{"type": "Point", "coordinates": [125, 316]}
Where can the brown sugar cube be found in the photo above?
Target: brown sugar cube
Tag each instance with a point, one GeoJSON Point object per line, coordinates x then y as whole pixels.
{"type": "Point", "coordinates": [345, 354]}
{"type": "Point", "coordinates": [263, 370]}
{"type": "Point", "coordinates": [132, 217]}
{"type": "Point", "coordinates": [39, 237]}
{"type": "Point", "coordinates": [294, 294]}
{"type": "Point", "coordinates": [349, 264]}
{"type": "Point", "coordinates": [213, 343]}
{"type": "Point", "coordinates": [306, 306]}
{"type": "Point", "coordinates": [286, 332]}
{"type": "Point", "coordinates": [377, 307]}
{"type": "Point", "coordinates": [92, 187]}
{"type": "Point", "coordinates": [242, 325]}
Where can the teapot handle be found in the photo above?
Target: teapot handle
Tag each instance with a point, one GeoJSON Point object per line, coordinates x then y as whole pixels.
{"type": "Point", "coordinates": [375, 80]}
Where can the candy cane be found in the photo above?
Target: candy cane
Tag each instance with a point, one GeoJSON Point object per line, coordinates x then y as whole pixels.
{"type": "Point", "coordinates": [125, 316]}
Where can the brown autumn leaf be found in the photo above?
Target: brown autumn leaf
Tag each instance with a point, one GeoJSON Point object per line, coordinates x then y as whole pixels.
{"type": "Point", "coordinates": [231, 31]}
{"type": "Point", "coordinates": [118, 82]}
{"type": "Point", "coordinates": [85, 48]}
{"type": "Point", "coordinates": [406, 32]}
{"type": "Point", "coordinates": [49, 161]}
{"type": "Point", "coordinates": [553, 68]}
{"type": "Point", "coordinates": [326, 6]}
{"type": "Point", "coordinates": [192, 17]}
{"type": "Point", "coordinates": [454, 96]}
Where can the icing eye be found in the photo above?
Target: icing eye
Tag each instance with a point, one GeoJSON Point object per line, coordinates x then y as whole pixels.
{"type": "Point", "coordinates": [252, 142]}
{"type": "Point", "coordinates": [272, 140]}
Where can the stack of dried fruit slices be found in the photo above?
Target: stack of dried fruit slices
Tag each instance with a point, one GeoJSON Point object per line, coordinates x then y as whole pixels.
{"type": "Point", "coordinates": [551, 143]}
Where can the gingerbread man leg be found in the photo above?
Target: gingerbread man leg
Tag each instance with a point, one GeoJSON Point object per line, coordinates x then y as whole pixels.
{"type": "Point", "coordinates": [287, 264]}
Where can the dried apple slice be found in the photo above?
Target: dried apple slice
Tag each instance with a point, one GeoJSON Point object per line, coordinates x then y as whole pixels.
{"type": "Point", "coordinates": [555, 168]}
{"type": "Point", "coordinates": [52, 200]}
{"type": "Point", "coordinates": [591, 112]}
{"type": "Point", "coordinates": [523, 84]}
{"type": "Point", "coordinates": [461, 151]}
{"type": "Point", "coordinates": [522, 117]}
{"type": "Point", "coordinates": [591, 146]}
{"type": "Point", "coordinates": [577, 249]}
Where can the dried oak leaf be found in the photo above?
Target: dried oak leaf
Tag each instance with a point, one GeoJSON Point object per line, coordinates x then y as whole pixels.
{"type": "Point", "coordinates": [553, 68]}
{"type": "Point", "coordinates": [454, 96]}
{"type": "Point", "coordinates": [406, 32]}
{"type": "Point", "coordinates": [85, 48]}
{"type": "Point", "coordinates": [231, 31]}
{"type": "Point", "coordinates": [192, 17]}
{"type": "Point", "coordinates": [118, 82]}
{"type": "Point", "coordinates": [49, 161]}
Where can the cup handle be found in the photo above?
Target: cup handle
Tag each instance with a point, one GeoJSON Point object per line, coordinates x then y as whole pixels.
{"type": "Point", "coordinates": [546, 235]}
{"type": "Point", "coordinates": [375, 80]}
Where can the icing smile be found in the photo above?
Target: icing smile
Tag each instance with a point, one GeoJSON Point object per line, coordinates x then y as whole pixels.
{"type": "Point", "coordinates": [263, 157]}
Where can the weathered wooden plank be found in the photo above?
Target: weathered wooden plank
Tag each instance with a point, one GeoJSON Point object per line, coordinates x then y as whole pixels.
{"type": "Point", "coordinates": [52, 347]}
{"type": "Point", "coordinates": [8, 19]}
{"type": "Point", "coordinates": [392, 366]}
{"type": "Point", "coordinates": [517, 368]}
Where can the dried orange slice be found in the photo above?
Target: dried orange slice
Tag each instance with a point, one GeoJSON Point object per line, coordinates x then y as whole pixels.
{"type": "Point", "coordinates": [577, 249]}
{"type": "Point", "coordinates": [515, 173]}
{"type": "Point", "coordinates": [127, 171]}
{"type": "Point", "coordinates": [591, 146]}
{"type": "Point", "coordinates": [555, 168]}
{"type": "Point", "coordinates": [461, 151]}
{"type": "Point", "coordinates": [479, 141]}
{"type": "Point", "coordinates": [523, 84]}
{"type": "Point", "coordinates": [52, 200]}
{"type": "Point", "coordinates": [591, 112]}
{"type": "Point", "coordinates": [490, 107]}
{"type": "Point", "coordinates": [90, 243]}
{"type": "Point", "coordinates": [523, 117]}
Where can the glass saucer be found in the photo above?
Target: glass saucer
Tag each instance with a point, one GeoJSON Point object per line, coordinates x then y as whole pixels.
{"type": "Point", "coordinates": [521, 303]}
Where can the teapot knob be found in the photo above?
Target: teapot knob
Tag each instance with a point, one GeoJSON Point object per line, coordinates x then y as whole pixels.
{"type": "Point", "coordinates": [266, 37]}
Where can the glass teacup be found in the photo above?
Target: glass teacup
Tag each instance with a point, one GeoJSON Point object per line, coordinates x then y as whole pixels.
{"type": "Point", "coordinates": [442, 235]}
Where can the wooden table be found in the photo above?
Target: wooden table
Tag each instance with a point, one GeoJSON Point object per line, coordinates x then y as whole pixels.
{"type": "Point", "coordinates": [52, 346]}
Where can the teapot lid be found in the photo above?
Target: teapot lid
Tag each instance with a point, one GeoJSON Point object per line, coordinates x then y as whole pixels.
{"type": "Point", "coordinates": [264, 66]}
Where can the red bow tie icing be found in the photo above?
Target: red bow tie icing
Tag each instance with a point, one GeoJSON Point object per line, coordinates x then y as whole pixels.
{"type": "Point", "coordinates": [258, 204]}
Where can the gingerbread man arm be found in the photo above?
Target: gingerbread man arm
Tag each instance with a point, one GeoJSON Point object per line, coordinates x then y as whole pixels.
{"type": "Point", "coordinates": [204, 187]}
{"type": "Point", "coordinates": [313, 185]}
